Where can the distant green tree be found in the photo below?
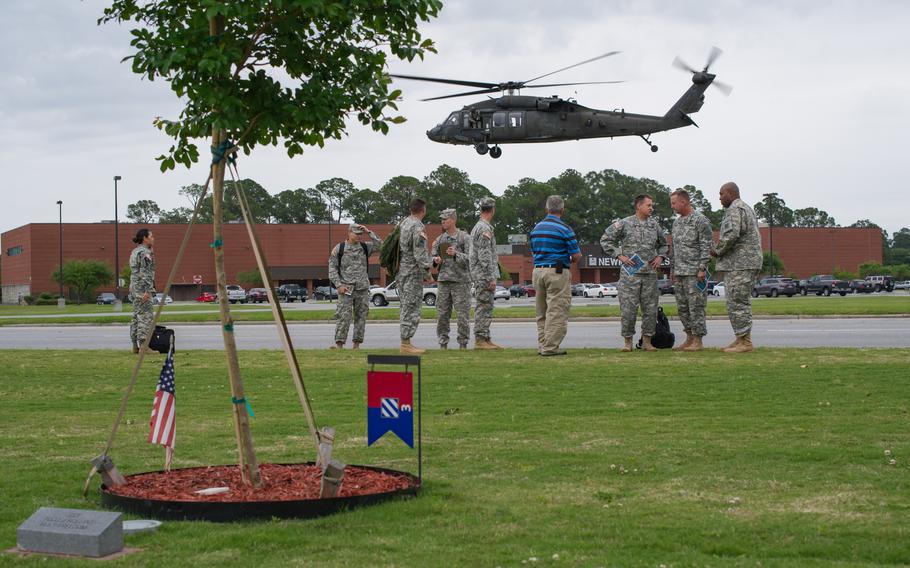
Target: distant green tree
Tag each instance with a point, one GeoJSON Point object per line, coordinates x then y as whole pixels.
{"type": "Point", "coordinates": [812, 217]}
{"type": "Point", "coordinates": [774, 211]}
{"type": "Point", "coordinates": [521, 207]}
{"type": "Point", "coordinates": [83, 277]}
{"type": "Point", "coordinates": [873, 268]}
{"type": "Point", "coordinates": [771, 264]}
{"type": "Point", "coordinates": [177, 215]}
{"type": "Point", "coordinates": [300, 206]}
{"type": "Point", "coordinates": [260, 201]}
{"type": "Point", "coordinates": [364, 206]}
{"type": "Point", "coordinates": [336, 192]}
{"type": "Point", "coordinates": [448, 187]}
{"type": "Point", "coordinates": [580, 201]}
{"type": "Point", "coordinates": [901, 238]}
{"type": "Point", "coordinates": [252, 278]}
{"type": "Point", "coordinates": [886, 245]}
{"type": "Point", "coordinates": [143, 211]}
{"type": "Point", "coordinates": [396, 195]}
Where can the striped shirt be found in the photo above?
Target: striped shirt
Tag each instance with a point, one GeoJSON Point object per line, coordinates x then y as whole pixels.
{"type": "Point", "coordinates": [553, 242]}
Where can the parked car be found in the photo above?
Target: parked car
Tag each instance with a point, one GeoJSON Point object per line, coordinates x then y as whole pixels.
{"type": "Point", "coordinates": [665, 286]}
{"type": "Point", "coordinates": [105, 298]}
{"type": "Point", "coordinates": [881, 283]}
{"type": "Point", "coordinates": [325, 293]}
{"type": "Point", "coordinates": [825, 285]}
{"type": "Point", "coordinates": [518, 291]}
{"type": "Point", "coordinates": [578, 289]}
{"type": "Point", "coordinates": [207, 297]}
{"type": "Point", "coordinates": [709, 288]}
{"type": "Point", "coordinates": [600, 290]}
{"type": "Point", "coordinates": [501, 293]}
{"type": "Point", "coordinates": [382, 296]}
{"type": "Point", "coordinates": [291, 292]}
{"type": "Point", "coordinates": [167, 299]}
{"type": "Point", "coordinates": [236, 294]}
{"type": "Point", "coordinates": [258, 295]}
{"type": "Point", "coordinates": [905, 285]}
{"type": "Point", "coordinates": [861, 287]}
{"type": "Point", "coordinates": [773, 287]}
{"type": "Point", "coordinates": [531, 290]}
{"type": "Point", "coordinates": [719, 289]}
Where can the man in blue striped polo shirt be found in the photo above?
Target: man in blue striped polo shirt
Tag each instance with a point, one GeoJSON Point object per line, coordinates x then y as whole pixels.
{"type": "Point", "coordinates": [555, 248]}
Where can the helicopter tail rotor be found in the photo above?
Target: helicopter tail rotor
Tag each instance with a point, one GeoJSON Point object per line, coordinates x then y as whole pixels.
{"type": "Point", "coordinates": [704, 76]}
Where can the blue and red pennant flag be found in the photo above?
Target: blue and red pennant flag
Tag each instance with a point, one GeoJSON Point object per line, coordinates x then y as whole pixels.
{"type": "Point", "coordinates": [390, 406]}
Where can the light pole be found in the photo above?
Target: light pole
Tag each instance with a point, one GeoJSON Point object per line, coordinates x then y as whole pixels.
{"type": "Point", "coordinates": [769, 196]}
{"type": "Point", "coordinates": [116, 244]}
{"type": "Point", "coordinates": [60, 227]}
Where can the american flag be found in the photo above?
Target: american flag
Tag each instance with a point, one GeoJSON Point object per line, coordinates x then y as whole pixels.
{"type": "Point", "coordinates": [162, 426]}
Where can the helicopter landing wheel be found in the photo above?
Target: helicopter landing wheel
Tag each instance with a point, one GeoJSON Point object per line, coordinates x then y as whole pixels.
{"type": "Point", "coordinates": [495, 152]}
{"type": "Point", "coordinates": [653, 148]}
{"type": "Point", "coordinates": [482, 149]}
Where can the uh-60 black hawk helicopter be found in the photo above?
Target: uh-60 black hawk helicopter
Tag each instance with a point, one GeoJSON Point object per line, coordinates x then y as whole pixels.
{"type": "Point", "coordinates": [517, 119]}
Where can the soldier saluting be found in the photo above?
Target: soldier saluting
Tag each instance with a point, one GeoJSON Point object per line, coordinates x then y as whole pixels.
{"type": "Point", "coordinates": [349, 274]}
{"type": "Point", "coordinates": [451, 250]}
{"type": "Point", "coordinates": [142, 288]}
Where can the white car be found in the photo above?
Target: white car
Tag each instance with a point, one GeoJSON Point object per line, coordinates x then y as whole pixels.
{"type": "Point", "coordinates": [905, 285]}
{"type": "Point", "coordinates": [380, 296]}
{"type": "Point", "coordinates": [167, 299]}
{"type": "Point", "coordinates": [600, 290]}
{"type": "Point", "coordinates": [236, 294]}
{"type": "Point", "coordinates": [502, 293]}
{"type": "Point", "coordinates": [719, 289]}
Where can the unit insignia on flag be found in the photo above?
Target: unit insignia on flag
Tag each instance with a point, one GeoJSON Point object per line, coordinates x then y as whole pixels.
{"type": "Point", "coordinates": [390, 406]}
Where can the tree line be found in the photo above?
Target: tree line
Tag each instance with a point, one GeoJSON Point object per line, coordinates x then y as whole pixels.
{"type": "Point", "coordinates": [593, 201]}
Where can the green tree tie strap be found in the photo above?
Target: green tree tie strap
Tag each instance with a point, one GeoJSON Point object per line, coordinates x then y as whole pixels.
{"type": "Point", "coordinates": [218, 153]}
{"type": "Point", "coordinates": [229, 327]}
{"type": "Point", "coordinates": [249, 408]}
{"type": "Point", "coordinates": [216, 243]}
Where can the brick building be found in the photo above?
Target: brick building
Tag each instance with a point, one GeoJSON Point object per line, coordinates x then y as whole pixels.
{"type": "Point", "coordinates": [299, 253]}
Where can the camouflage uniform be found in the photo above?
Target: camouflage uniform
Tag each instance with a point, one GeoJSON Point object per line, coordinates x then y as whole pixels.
{"type": "Point", "coordinates": [454, 286]}
{"type": "Point", "coordinates": [691, 253]}
{"type": "Point", "coordinates": [484, 268]}
{"type": "Point", "coordinates": [414, 269]}
{"type": "Point", "coordinates": [646, 238]}
{"type": "Point", "coordinates": [353, 273]}
{"type": "Point", "coordinates": [739, 257]}
{"type": "Point", "coordinates": [142, 280]}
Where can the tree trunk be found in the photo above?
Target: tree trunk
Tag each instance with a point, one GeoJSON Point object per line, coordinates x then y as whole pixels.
{"type": "Point", "coordinates": [249, 467]}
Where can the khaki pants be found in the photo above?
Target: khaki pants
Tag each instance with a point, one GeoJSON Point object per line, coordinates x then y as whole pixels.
{"type": "Point", "coordinates": [553, 300]}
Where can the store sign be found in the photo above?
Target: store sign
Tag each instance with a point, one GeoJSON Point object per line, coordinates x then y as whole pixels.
{"type": "Point", "coordinates": [610, 262]}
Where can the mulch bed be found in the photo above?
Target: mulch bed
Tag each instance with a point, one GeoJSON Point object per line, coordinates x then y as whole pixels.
{"type": "Point", "coordinates": [291, 482]}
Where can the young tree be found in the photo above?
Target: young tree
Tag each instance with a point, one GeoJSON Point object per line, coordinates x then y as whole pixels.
{"type": "Point", "coordinates": [771, 264]}
{"type": "Point", "coordinates": [143, 211]}
{"type": "Point", "coordinates": [251, 278]}
{"type": "Point", "coordinates": [83, 277]}
{"type": "Point", "coordinates": [258, 71]}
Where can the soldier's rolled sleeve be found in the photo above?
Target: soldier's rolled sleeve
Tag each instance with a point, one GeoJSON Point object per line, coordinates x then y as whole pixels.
{"type": "Point", "coordinates": [374, 244]}
{"type": "Point", "coordinates": [730, 231]}
{"type": "Point", "coordinates": [334, 269]}
{"type": "Point", "coordinates": [704, 245]}
{"type": "Point", "coordinates": [611, 239]}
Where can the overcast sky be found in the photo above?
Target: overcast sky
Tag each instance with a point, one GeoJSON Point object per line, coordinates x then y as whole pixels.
{"type": "Point", "coordinates": [819, 111]}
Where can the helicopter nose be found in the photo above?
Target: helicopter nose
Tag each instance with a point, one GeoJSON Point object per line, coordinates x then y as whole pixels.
{"type": "Point", "coordinates": [435, 134]}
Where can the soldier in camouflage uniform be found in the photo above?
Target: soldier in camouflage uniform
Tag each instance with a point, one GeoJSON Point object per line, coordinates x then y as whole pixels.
{"type": "Point", "coordinates": [142, 288]}
{"type": "Point", "coordinates": [350, 276]}
{"type": "Point", "coordinates": [484, 272]}
{"type": "Point", "coordinates": [739, 256]}
{"type": "Point", "coordinates": [450, 252]}
{"type": "Point", "coordinates": [414, 270]}
{"type": "Point", "coordinates": [637, 234]}
{"type": "Point", "coordinates": [691, 252]}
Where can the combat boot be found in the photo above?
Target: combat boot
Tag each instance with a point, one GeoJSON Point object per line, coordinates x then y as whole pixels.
{"type": "Point", "coordinates": [485, 344]}
{"type": "Point", "coordinates": [646, 343]}
{"type": "Point", "coordinates": [338, 345]}
{"type": "Point", "coordinates": [135, 348]}
{"type": "Point", "coordinates": [355, 345]}
{"type": "Point", "coordinates": [462, 345]}
{"type": "Point", "coordinates": [443, 346]}
{"type": "Point", "coordinates": [682, 346]}
{"type": "Point", "coordinates": [696, 344]}
{"type": "Point", "coordinates": [627, 346]}
{"type": "Point", "coordinates": [744, 345]}
{"type": "Point", "coordinates": [732, 345]}
{"type": "Point", "coordinates": [408, 349]}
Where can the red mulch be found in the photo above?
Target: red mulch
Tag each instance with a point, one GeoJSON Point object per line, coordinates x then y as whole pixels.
{"type": "Point", "coordinates": [279, 483]}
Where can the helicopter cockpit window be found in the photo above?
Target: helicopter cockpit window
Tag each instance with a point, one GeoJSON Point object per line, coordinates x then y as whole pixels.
{"type": "Point", "coordinates": [499, 119]}
{"type": "Point", "coordinates": [452, 120]}
{"type": "Point", "coordinates": [515, 119]}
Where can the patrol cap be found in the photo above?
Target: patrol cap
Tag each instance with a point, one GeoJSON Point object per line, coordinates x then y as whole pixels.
{"type": "Point", "coordinates": [356, 229]}
{"type": "Point", "coordinates": [447, 213]}
{"type": "Point", "coordinates": [487, 202]}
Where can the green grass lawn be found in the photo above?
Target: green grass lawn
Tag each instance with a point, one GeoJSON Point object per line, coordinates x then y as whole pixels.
{"type": "Point", "coordinates": [774, 458]}
{"type": "Point", "coordinates": [796, 306]}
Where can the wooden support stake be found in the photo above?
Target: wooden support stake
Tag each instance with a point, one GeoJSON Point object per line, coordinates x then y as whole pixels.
{"type": "Point", "coordinates": [332, 476]}
{"type": "Point", "coordinates": [327, 440]}
{"type": "Point", "coordinates": [110, 475]}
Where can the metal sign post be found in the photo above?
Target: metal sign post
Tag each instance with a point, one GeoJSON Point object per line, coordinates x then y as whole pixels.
{"type": "Point", "coordinates": [407, 361]}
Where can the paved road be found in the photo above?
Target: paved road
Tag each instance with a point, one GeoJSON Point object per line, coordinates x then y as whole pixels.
{"type": "Point", "coordinates": [858, 332]}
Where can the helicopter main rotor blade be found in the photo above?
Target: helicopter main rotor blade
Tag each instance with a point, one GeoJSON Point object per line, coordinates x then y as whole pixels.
{"type": "Point", "coordinates": [607, 54]}
{"type": "Point", "coordinates": [567, 84]}
{"type": "Point", "coordinates": [478, 92]}
{"type": "Point", "coordinates": [680, 64]}
{"type": "Point", "coordinates": [712, 57]}
{"type": "Point", "coordinates": [447, 81]}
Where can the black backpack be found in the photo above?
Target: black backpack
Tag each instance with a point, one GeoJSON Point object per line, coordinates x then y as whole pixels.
{"type": "Point", "coordinates": [663, 337]}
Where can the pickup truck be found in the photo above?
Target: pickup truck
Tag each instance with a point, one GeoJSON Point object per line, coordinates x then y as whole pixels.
{"type": "Point", "coordinates": [291, 292]}
{"type": "Point", "coordinates": [382, 296]}
{"type": "Point", "coordinates": [824, 285]}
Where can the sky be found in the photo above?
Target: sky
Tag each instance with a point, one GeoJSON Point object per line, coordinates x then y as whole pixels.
{"type": "Point", "coordinates": [818, 113]}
